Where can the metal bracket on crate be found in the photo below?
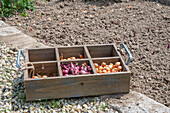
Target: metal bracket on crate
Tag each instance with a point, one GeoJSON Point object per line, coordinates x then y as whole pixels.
{"type": "Point", "coordinates": [18, 58]}
{"type": "Point", "coordinates": [127, 50]}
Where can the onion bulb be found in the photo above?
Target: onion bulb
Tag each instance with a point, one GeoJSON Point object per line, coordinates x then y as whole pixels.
{"type": "Point", "coordinates": [108, 71]}
{"type": "Point", "coordinates": [116, 69]}
{"type": "Point", "coordinates": [119, 68]}
{"type": "Point", "coordinates": [80, 56]}
{"type": "Point", "coordinates": [72, 58]}
{"type": "Point", "coordinates": [110, 66]}
{"type": "Point", "coordinates": [97, 69]}
{"type": "Point", "coordinates": [107, 68]}
{"type": "Point", "coordinates": [104, 71]}
{"type": "Point", "coordinates": [101, 68]}
{"type": "Point", "coordinates": [117, 64]}
{"type": "Point", "coordinates": [68, 58]}
{"type": "Point", "coordinates": [44, 76]}
{"type": "Point", "coordinates": [34, 77]}
{"type": "Point", "coordinates": [103, 64]}
{"type": "Point", "coordinates": [96, 65]}
{"type": "Point", "coordinates": [113, 71]}
{"type": "Point", "coordinates": [100, 71]}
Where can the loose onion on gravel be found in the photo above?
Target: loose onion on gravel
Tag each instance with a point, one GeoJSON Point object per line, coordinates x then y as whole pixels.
{"type": "Point", "coordinates": [104, 68]}
{"type": "Point", "coordinates": [70, 58]}
{"type": "Point", "coordinates": [75, 69]}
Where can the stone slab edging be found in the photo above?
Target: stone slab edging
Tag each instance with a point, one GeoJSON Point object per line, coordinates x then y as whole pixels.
{"type": "Point", "coordinates": [129, 103]}
{"type": "Point", "coordinates": [11, 35]}
{"type": "Point", "coordinates": [135, 102]}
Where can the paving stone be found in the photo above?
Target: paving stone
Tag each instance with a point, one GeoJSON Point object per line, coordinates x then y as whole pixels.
{"type": "Point", "coordinates": [136, 102]}
{"type": "Point", "coordinates": [8, 31]}
{"type": "Point", "coordinates": [22, 41]}
{"type": "Point", "coordinates": [3, 24]}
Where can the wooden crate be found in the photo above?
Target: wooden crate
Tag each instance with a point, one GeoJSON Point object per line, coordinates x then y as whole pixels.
{"type": "Point", "coordinates": [58, 86]}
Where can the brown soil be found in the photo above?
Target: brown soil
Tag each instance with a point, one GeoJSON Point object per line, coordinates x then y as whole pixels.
{"type": "Point", "coordinates": [143, 26]}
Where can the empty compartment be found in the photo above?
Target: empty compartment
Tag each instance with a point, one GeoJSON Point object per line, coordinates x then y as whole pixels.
{"type": "Point", "coordinates": [45, 54]}
{"type": "Point", "coordinates": [109, 65]}
{"type": "Point", "coordinates": [68, 52]}
{"type": "Point", "coordinates": [79, 68]}
{"type": "Point", "coordinates": [102, 51]}
{"type": "Point", "coordinates": [44, 69]}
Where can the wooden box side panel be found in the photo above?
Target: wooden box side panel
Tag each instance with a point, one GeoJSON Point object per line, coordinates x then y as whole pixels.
{"type": "Point", "coordinates": [77, 86]}
{"type": "Point", "coordinates": [102, 51]}
{"type": "Point", "coordinates": [49, 69]}
{"type": "Point", "coordinates": [45, 54]}
{"type": "Point", "coordinates": [72, 52]}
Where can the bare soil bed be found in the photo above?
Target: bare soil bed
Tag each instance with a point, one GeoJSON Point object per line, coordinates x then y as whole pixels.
{"type": "Point", "coordinates": [143, 26]}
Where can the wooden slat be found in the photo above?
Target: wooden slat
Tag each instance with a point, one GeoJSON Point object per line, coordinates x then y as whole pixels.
{"type": "Point", "coordinates": [115, 50]}
{"type": "Point", "coordinates": [77, 86]}
{"type": "Point", "coordinates": [41, 48]}
{"type": "Point", "coordinates": [58, 62]}
{"type": "Point", "coordinates": [91, 62]}
{"type": "Point", "coordinates": [40, 62]}
{"type": "Point", "coordinates": [87, 52]}
{"type": "Point", "coordinates": [115, 57]}
{"type": "Point", "coordinates": [74, 60]}
{"type": "Point", "coordinates": [26, 60]}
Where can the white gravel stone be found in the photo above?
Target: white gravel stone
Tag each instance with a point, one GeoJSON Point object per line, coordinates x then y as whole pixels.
{"type": "Point", "coordinates": [85, 106]}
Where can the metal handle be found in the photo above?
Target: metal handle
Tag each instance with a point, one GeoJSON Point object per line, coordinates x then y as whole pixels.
{"type": "Point", "coordinates": [18, 58]}
{"type": "Point", "coordinates": [127, 50]}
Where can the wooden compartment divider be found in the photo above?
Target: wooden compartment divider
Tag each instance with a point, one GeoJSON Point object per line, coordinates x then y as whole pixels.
{"type": "Point", "coordinates": [91, 62]}
{"type": "Point", "coordinates": [58, 62]}
{"type": "Point", "coordinates": [76, 85]}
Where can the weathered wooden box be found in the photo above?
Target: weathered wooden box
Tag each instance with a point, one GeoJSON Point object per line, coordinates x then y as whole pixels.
{"type": "Point", "coordinates": [58, 86]}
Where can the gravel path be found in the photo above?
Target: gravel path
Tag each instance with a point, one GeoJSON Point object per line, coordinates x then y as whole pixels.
{"type": "Point", "coordinates": [143, 26]}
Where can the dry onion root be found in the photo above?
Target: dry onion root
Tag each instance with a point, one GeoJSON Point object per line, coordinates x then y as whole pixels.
{"type": "Point", "coordinates": [104, 68]}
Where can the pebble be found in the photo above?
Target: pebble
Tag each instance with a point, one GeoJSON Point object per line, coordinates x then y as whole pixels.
{"type": "Point", "coordinates": [85, 106]}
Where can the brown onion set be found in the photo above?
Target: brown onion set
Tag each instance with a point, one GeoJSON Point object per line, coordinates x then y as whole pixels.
{"type": "Point", "coordinates": [110, 68]}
